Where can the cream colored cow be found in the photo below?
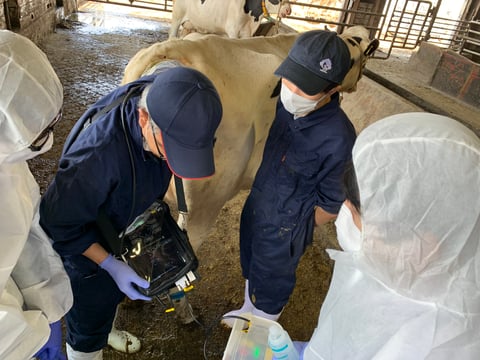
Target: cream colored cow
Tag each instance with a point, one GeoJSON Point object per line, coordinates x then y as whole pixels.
{"type": "Point", "coordinates": [242, 72]}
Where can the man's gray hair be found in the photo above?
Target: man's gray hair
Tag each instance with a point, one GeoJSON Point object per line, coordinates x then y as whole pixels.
{"type": "Point", "coordinates": [142, 102]}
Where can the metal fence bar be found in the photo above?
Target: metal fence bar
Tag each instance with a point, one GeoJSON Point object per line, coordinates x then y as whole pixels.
{"type": "Point", "coordinates": [407, 24]}
{"type": "Point", "coordinates": [337, 16]}
{"type": "Point", "coordinates": [160, 5]}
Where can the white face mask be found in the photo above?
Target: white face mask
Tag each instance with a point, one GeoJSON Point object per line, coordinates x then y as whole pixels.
{"type": "Point", "coordinates": [348, 235]}
{"type": "Point", "coordinates": [295, 104]}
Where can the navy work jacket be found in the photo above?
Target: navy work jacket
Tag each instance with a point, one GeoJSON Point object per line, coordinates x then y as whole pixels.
{"type": "Point", "coordinates": [95, 172]}
{"type": "Point", "coordinates": [303, 165]}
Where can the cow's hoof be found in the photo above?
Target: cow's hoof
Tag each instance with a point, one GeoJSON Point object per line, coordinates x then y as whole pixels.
{"type": "Point", "coordinates": [123, 341]}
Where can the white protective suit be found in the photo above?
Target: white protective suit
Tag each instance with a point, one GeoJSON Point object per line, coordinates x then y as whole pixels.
{"type": "Point", "coordinates": [412, 291]}
{"type": "Point", "coordinates": [34, 288]}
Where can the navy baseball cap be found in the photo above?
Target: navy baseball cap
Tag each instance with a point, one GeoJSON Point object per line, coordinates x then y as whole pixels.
{"type": "Point", "coordinates": [317, 59]}
{"type": "Point", "coordinates": [186, 107]}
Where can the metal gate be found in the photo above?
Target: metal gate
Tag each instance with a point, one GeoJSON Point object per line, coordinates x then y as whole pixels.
{"type": "Point", "coordinates": [160, 5]}
{"type": "Point", "coordinates": [410, 22]}
{"type": "Point", "coordinates": [400, 24]}
{"type": "Point", "coordinates": [414, 21]}
{"type": "Point", "coordinates": [397, 23]}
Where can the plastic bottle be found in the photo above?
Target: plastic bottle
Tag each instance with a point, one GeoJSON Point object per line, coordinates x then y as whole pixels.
{"type": "Point", "coordinates": [281, 344]}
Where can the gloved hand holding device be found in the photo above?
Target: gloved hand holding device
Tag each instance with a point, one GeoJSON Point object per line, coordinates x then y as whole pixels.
{"type": "Point", "coordinates": [125, 278]}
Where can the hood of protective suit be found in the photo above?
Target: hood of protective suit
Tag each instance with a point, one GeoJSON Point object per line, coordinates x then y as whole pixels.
{"type": "Point", "coordinates": [411, 288]}
{"type": "Point", "coordinates": [419, 177]}
{"type": "Point", "coordinates": [31, 95]}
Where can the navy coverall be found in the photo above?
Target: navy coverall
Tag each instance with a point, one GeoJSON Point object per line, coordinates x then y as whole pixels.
{"type": "Point", "coordinates": [94, 172]}
{"type": "Point", "coordinates": [302, 167]}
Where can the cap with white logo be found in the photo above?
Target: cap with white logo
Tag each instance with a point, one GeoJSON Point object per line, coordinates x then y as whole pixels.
{"type": "Point", "coordinates": [317, 59]}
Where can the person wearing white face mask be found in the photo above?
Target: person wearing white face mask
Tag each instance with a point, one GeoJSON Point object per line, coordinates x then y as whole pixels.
{"type": "Point", "coordinates": [299, 182]}
{"type": "Point", "coordinates": [407, 283]}
{"type": "Point", "coordinates": [35, 290]}
{"type": "Point", "coordinates": [348, 222]}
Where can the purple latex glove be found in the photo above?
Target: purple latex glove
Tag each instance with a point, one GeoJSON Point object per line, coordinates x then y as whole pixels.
{"type": "Point", "coordinates": [125, 278]}
{"type": "Point", "coordinates": [52, 350]}
{"type": "Point", "coordinates": [300, 346]}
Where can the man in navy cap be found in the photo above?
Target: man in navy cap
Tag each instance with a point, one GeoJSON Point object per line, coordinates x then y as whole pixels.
{"type": "Point", "coordinates": [119, 165]}
{"type": "Point", "coordinates": [299, 182]}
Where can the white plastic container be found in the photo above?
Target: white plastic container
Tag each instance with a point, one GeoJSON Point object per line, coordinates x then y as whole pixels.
{"type": "Point", "coordinates": [281, 344]}
{"type": "Point", "coordinates": [249, 340]}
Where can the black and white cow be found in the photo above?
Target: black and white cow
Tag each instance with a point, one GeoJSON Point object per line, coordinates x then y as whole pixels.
{"type": "Point", "coordinates": [233, 18]}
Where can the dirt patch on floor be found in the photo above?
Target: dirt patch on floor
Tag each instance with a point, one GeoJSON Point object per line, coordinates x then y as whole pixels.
{"type": "Point", "coordinates": [90, 64]}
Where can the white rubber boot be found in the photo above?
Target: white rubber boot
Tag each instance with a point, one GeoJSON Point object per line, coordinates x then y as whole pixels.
{"type": "Point", "coordinates": [122, 340]}
{"type": "Point", "coordinates": [78, 355]}
{"type": "Point", "coordinates": [247, 307]}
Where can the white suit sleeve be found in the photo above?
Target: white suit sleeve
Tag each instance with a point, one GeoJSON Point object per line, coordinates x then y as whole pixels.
{"type": "Point", "coordinates": [34, 288]}
{"type": "Point", "coordinates": [22, 333]}
{"type": "Point", "coordinates": [44, 284]}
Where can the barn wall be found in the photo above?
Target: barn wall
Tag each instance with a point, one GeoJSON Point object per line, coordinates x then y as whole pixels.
{"type": "Point", "coordinates": [374, 100]}
{"type": "Point", "coordinates": [449, 72]}
{"type": "Point", "coordinates": [363, 107]}
{"type": "Point", "coordinates": [34, 19]}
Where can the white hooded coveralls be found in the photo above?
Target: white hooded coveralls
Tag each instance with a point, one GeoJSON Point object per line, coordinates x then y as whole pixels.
{"type": "Point", "coordinates": [34, 288]}
{"type": "Point", "coordinates": [412, 291]}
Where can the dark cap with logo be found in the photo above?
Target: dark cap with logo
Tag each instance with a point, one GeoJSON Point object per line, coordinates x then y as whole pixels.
{"type": "Point", "coordinates": [186, 107]}
{"type": "Point", "coordinates": [317, 59]}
